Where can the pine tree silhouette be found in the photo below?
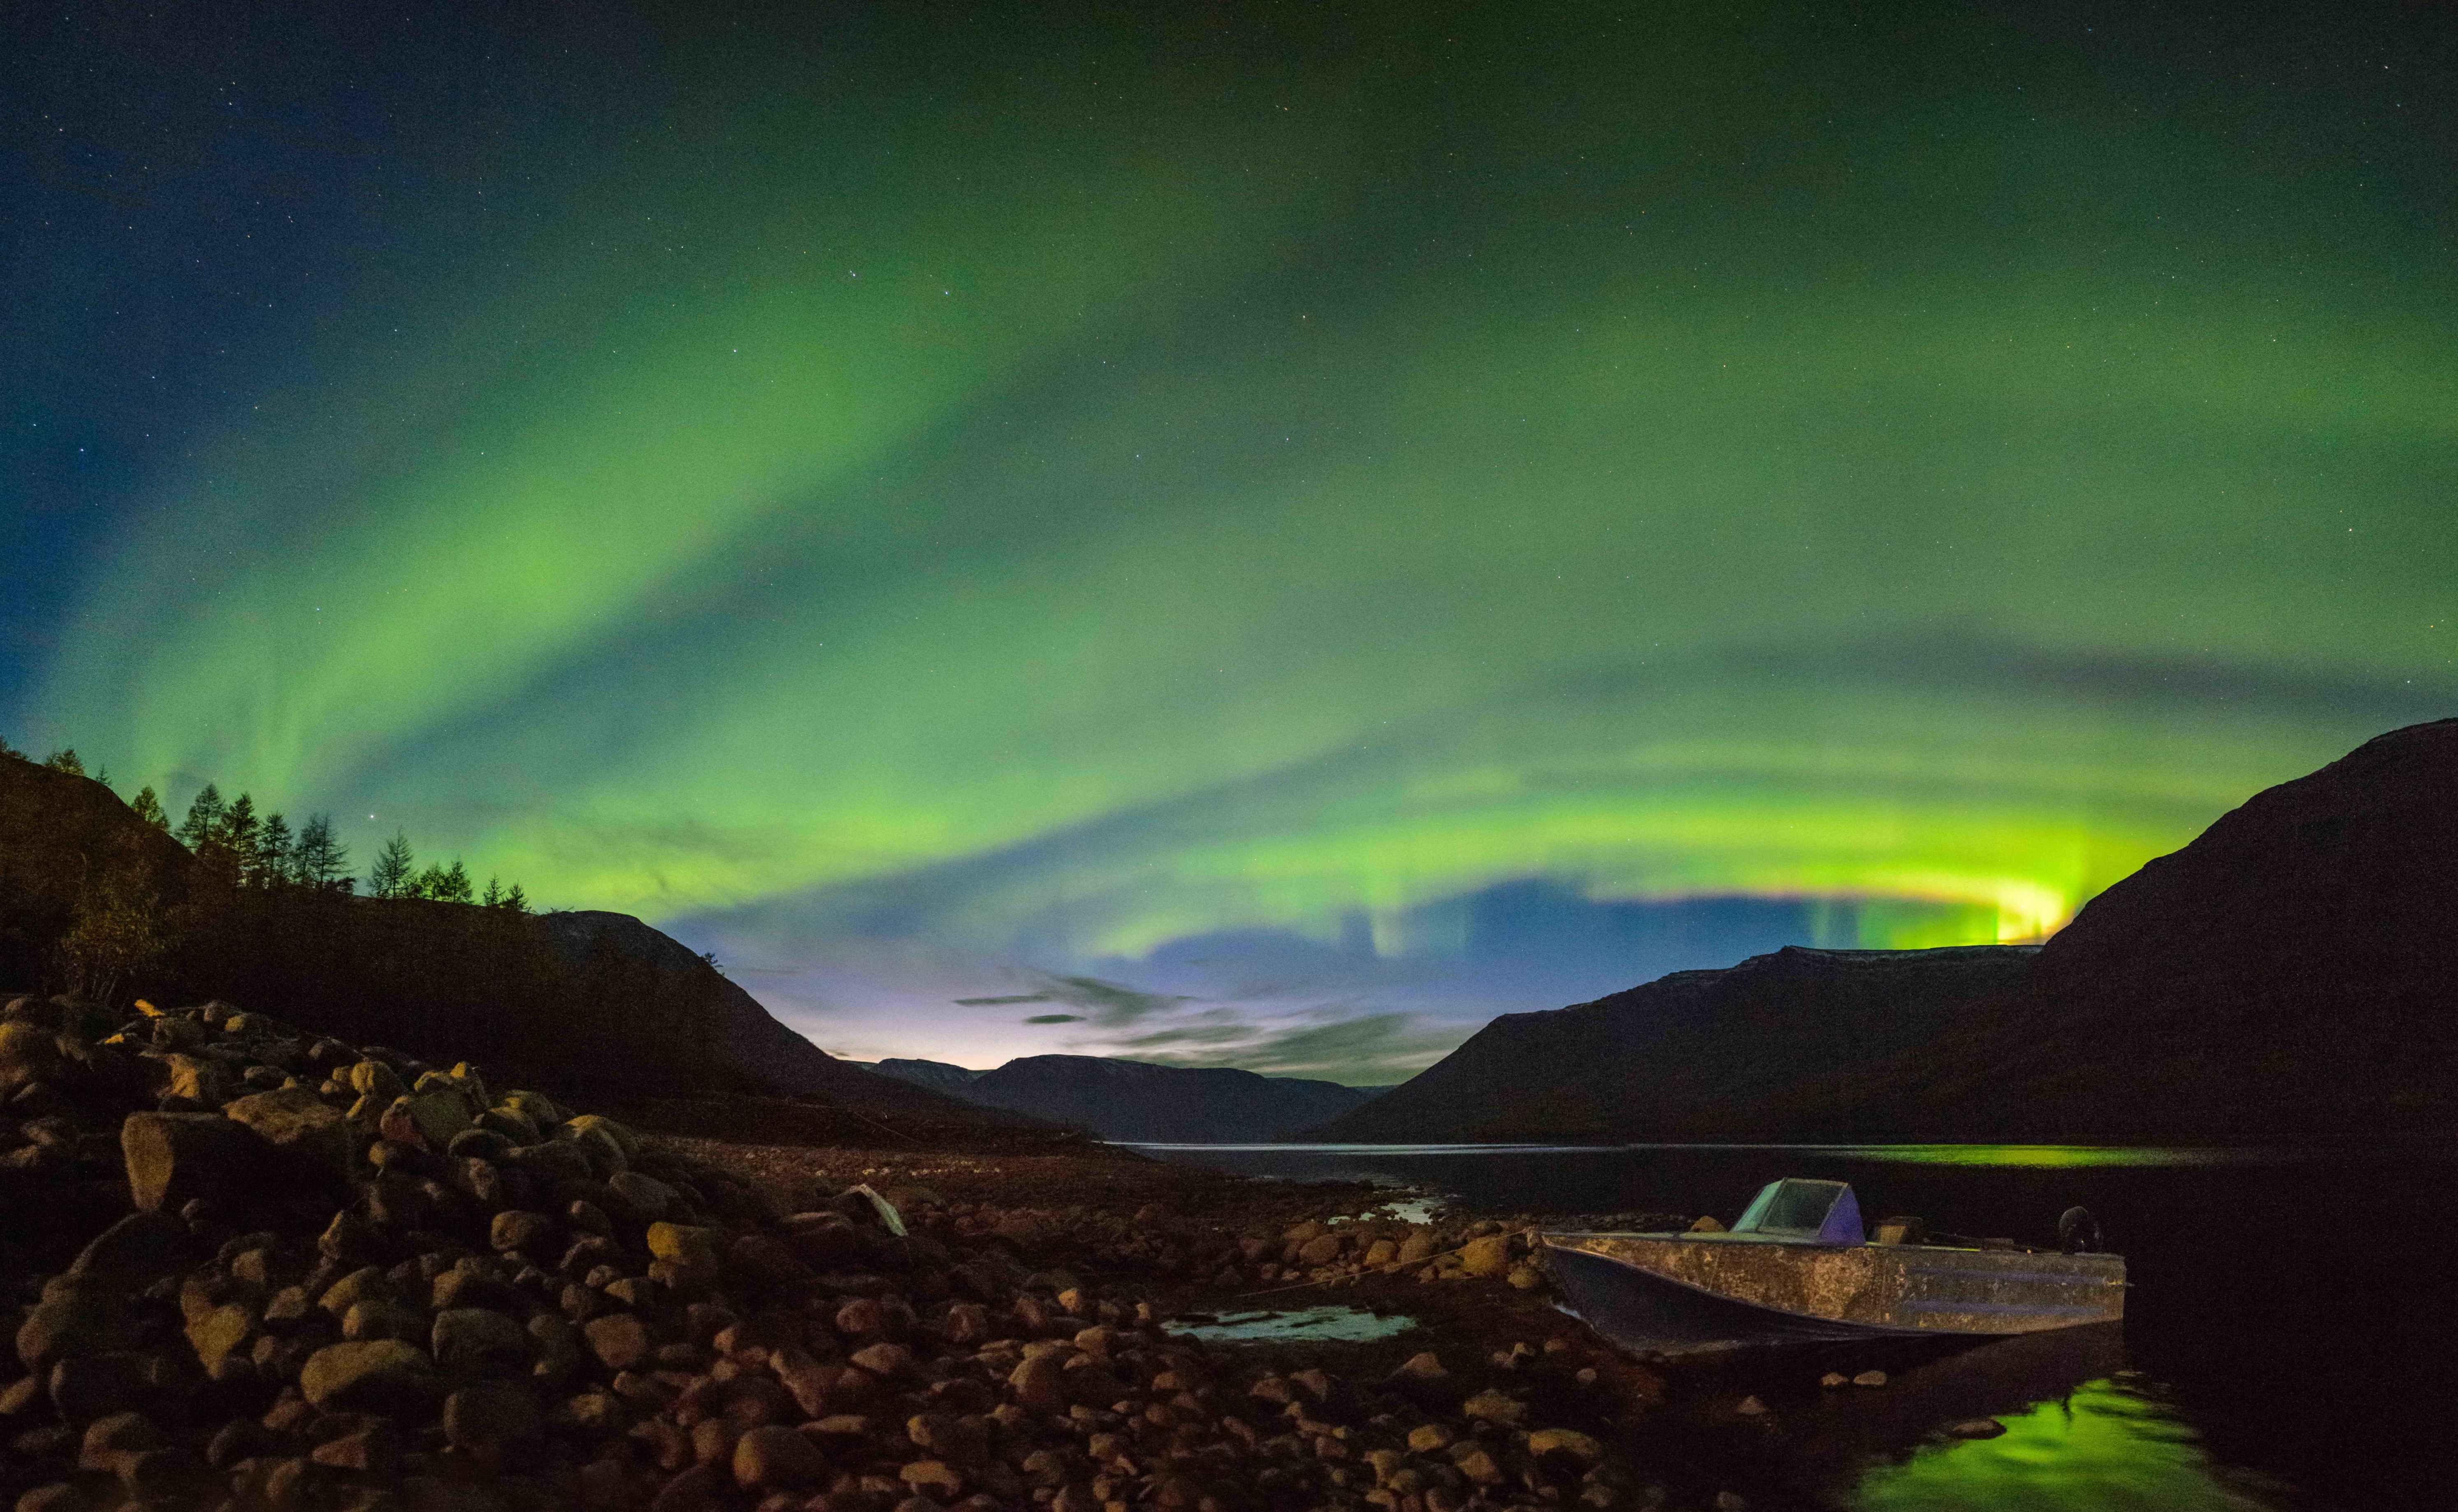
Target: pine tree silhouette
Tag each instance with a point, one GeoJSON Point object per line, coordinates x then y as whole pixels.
{"type": "Point", "coordinates": [149, 808]}
{"type": "Point", "coordinates": [233, 848]}
{"type": "Point", "coordinates": [392, 876]}
{"type": "Point", "coordinates": [318, 859]}
{"type": "Point", "coordinates": [276, 861]}
{"type": "Point", "coordinates": [205, 820]}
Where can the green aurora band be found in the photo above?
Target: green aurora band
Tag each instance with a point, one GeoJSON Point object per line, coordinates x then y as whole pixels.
{"type": "Point", "coordinates": [1760, 459]}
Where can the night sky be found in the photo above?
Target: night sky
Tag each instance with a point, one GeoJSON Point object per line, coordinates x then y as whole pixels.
{"type": "Point", "coordinates": [1245, 535]}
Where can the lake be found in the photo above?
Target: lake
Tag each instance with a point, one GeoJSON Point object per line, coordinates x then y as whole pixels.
{"type": "Point", "coordinates": [2290, 1339]}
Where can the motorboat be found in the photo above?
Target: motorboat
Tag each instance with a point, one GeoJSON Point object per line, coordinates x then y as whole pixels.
{"type": "Point", "coordinates": [1798, 1267]}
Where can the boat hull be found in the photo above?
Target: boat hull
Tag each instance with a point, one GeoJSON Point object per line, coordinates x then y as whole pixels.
{"type": "Point", "coordinates": [1680, 1291]}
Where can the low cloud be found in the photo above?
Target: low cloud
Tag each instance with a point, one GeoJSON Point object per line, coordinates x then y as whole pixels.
{"type": "Point", "coordinates": [987, 1003]}
{"type": "Point", "coordinates": [1370, 1049]}
{"type": "Point", "coordinates": [1112, 1006]}
{"type": "Point", "coordinates": [1055, 1018]}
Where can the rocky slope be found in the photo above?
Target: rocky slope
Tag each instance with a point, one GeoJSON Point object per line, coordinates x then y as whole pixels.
{"type": "Point", "coordinates": [1135, 1100]}
{"type": "Point", "coordinates": [256, 1267]}
{"type": "Point", "coordinates": [1693, 1055]}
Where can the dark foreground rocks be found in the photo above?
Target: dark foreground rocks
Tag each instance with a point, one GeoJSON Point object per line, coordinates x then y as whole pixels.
{"type": "Point", "coordinates": [254, 1268]}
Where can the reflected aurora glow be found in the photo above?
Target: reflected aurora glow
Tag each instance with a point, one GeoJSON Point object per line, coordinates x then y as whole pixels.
{"type": "Point", "coordinates": [2102, 1447]}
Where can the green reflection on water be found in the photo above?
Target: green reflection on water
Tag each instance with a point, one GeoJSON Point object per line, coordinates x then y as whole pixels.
{"type": "Point", "coordinates": [2102, 1448]}
{"type": "Point", "coordinates": [2059, 1156]}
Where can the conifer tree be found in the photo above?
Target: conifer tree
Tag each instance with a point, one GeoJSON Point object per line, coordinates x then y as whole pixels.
{"type": "Point", "coordinates": [393, 876]}
{"type": "Point", "coordinates": [149, 808]}
{"type": "Point", "coordinates": [242, 834]}
{"type": "Point", "coordinates": [205, 820]}
{"type": "Point", "coordinates": [515, 900]}
{"type": "Point", "coordinates": [493, 896]}
{"type": "Point", "coordinates": [454, 887]}
{"type": "Point", "coordinates": [103, 777]}
{"type": "Point", "coordinates": [8, 750]}
{"type": "Point", "coordinates": [65, 759]}
{"type": "Point", "coordinates": [318, 859]}
{"type": "Point", "coordinates": [276, 857]}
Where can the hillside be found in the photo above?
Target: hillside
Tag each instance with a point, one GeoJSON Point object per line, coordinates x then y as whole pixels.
{"type": "Point", "coordinates": [1135, 1100]}
{"type": "Point", "coordinates": [754, 1041]}
{"type": "Point", "coordinates": [937, 1075]}
{"type": "Point", "coordinates": [1693, 1055]}
{"type": "Point", "coordinates": [2290, 975]}
{"type": "Point", "coordinates": [96, 902]}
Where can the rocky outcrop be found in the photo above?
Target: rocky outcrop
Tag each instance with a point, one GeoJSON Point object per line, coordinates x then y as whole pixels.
{"type": "Point", "coordinates": [493, 1303]}
{"type": "Point", "coordinates": [1136, 1100]}
{"type": "Point", "coordinates": [1693, 1055]}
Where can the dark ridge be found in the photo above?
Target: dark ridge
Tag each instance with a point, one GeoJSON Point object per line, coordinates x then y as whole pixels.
{"type": "Point", "coordinates": [937, 1075]}
{"type": "Point", "coordinates": [96, 902]}
{"type": "Point", "coordinates": [1136, 1100]}
{"type": "Point", "coordinates": [1692, 1055]}
{"type": "Point", "coordinates": [2292, 975]}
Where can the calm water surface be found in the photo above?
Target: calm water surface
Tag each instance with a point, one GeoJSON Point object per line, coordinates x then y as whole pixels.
{"type": "Point", "coordinates": [2289, 1338]}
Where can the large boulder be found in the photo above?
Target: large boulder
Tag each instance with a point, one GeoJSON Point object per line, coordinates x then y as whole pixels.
{"type": "Point", "coordinates": [427, 1118]}
{"type": "Point", "coordinates": [377, 1376]}
{"type": "Point", "coordinates": [136, 1252]}
{"type": "Point", "coordinates": [174, 1157]}
{"type": "Point", "coordinates": [301, 1124]}
{"type": "Point", "coordinates": [29, 1053]}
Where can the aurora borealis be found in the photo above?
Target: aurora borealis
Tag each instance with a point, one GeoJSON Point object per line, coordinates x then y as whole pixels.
{"type": "Point", "coordinates": [1276, 533]}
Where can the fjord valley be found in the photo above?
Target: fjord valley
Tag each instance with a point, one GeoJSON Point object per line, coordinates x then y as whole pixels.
{"type": "Point", "coordinates": [1252, 758]}
{"type": "Point", "coordinates": [453, 1257]}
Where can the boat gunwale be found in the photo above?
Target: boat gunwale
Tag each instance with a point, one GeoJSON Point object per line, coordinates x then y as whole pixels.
{"type": "Point", "coordinates": [1686, 1237]}
{"type": "Point", "coordinates": [1841, 1326]}
{"type": "Point", "coordinates": [2082, 1277]}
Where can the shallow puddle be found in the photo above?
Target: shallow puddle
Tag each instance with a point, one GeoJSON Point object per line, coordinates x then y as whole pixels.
{"type": "Point", "coordinates": [1333, 1325]}
{"type": "Point", "coordinates": [1411, 1210]}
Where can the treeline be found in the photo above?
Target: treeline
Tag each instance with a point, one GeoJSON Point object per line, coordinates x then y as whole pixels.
{"type": "Point", "coordinates": [98, 898]}
{"type": "Point", "coordinates": [252, 851]}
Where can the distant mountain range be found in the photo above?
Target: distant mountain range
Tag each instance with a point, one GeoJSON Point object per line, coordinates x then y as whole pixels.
{"type": "Point", "coordinates": [1136, 1100]}
{"type": "Point", "coordinates": [2290, 975]}
{"type": "Point", "coordinates": [1693, 1055]}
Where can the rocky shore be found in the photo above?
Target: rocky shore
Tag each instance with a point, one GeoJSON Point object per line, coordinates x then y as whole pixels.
{"type": "Point", "coordinates": [255, 1267]}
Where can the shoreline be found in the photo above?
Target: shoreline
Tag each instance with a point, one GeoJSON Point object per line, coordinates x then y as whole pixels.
{"type": "Point", "coordinates": [260, 1268]}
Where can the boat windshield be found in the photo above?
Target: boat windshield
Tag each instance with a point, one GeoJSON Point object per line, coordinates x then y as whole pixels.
{"type": "Point", "coordinates": [1815, 1211]}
